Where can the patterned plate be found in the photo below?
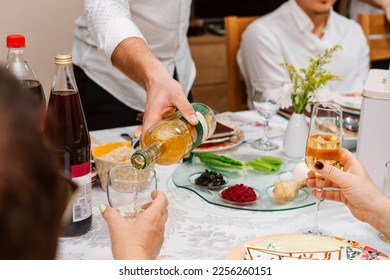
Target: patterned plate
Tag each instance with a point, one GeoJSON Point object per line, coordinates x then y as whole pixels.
{"type": "Point", "coordinates": [300, 246]}
{"type": "Point", "coordinates": [229, 143]}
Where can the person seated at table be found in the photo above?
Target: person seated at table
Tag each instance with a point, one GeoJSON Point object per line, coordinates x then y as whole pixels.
{"type": "Point", "coordinates": [296, 31]}
{"type": "Point", "coordinates": [34, 193]}
{"type": "Point", "coordinates": [354, 187]}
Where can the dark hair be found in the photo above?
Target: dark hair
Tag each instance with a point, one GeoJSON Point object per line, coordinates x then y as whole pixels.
{"type": "Point", "coordinates": [32, 198]}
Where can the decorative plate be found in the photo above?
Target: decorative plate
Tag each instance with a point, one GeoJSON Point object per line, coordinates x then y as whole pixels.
{"type": "Point", "coordinates": [350, 102]}
{"type": "Point", "coordinates": [299, 246]}
{"type": "Point", "coordinates": [229, 143]}
{"type": "Point", "coordinates": [260, 181]}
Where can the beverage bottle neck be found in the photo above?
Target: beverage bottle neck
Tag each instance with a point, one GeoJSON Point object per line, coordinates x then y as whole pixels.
{"type": "Point", "coordinates": [64, 79]}
{"type": "Point", "coordinates": [17, 64]}
{"type": "Point", "coordinates": [148, 155]}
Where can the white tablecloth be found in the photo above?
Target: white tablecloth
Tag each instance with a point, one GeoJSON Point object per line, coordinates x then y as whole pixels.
{"type": "Point", "coordinates": [199, 230]}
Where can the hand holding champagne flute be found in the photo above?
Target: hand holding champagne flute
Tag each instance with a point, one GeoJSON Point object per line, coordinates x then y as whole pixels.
{"type": "Point", "coordinates": [323, 144]}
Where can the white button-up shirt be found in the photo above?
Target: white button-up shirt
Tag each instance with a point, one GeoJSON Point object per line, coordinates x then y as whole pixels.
{"type": "Point", "coordinates": [286, 35]}
{"type": "Point", "coordinates": [104, 24]}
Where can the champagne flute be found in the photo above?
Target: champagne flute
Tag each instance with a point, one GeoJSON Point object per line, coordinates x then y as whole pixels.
{"type": "Point", "coordinates": [265, 94]}
{"type": "Point", "coordinates": [324, 144]}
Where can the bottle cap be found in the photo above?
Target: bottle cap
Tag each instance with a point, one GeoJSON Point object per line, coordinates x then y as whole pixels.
{"type": "Point", "coordinates": [16, 41]}
{"type": "Point", "coordinates": [63, 58]}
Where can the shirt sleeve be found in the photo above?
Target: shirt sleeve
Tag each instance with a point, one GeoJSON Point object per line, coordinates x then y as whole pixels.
{"type": "Point", "coordinates": [109, 23]}
{"type": "Point", "coordinates": [364, 59]}
{"type": "Point", "coordinates": [259, 56]}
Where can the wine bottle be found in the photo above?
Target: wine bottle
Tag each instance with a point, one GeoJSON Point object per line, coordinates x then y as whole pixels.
{"type": "Point", "coordinates": [169, 140]}
{"type": "Point", "coordinates": [66, 127]}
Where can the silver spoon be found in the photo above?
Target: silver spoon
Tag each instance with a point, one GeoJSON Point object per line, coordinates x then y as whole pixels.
{"type": "Point", "coordinates": [126, 136]}
{"type": "Point", "coordinates": [134, 140]}
{"type": "Point", "coordinates": [352, 124]}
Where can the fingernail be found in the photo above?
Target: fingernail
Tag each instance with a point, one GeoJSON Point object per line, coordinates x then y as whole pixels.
{"type": "Point", "coordinates": [319, 165]}
{"type": "Point", "coordinates": [102, 208]}
{"type": "Point", "coordinates": [193, 119]}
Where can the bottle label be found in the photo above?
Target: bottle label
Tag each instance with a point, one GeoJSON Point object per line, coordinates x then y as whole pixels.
{"type": "Point", "coordinates": [202, 129]}
{"type": "Point", "coordinates": [82, 205]}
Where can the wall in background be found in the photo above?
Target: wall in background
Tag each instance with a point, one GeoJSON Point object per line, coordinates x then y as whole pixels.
{"type": "Point", "coordinates": [48, 27]}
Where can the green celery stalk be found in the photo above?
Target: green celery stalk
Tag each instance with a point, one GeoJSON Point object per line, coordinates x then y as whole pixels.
{"type": "Point", "coordinates": [222, 161]}
{"type": "Point", "coordinates": [272, 160]}
{"type": "Point", "coordinates": [261, 165]}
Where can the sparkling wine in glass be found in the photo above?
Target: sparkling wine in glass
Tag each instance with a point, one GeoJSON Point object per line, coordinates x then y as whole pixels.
{"type": "Point", "coordinates": [264, 98]}
{"type": "Point", "coordinates": [323, 144]}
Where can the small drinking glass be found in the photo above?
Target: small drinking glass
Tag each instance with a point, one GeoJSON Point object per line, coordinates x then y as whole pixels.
{"type": "Point", "coordinates": [324, 144]}
{"type": "Point", "coordinates": [386, 191]}
{"type": "Point", "coordinates": [265, 94]}
{"type": "Point", "coordinates": [129, 188]}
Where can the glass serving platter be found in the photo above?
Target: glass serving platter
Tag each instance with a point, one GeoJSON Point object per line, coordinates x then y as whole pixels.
{"type": "Point", "coordinates": [185, 174]}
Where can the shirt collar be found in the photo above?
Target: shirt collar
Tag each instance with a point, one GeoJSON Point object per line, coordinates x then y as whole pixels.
{"type": "Point", "coordinates": [302, 19]}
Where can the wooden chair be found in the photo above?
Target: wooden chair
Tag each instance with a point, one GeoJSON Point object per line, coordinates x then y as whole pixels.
{"type": "Point", "coordinates": [234, 27]}
{"type": "Point", "coordinates": [375, 26]}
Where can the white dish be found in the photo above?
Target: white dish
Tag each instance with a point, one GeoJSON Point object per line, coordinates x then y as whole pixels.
{"type": "Point", "coordinates": [348, 100]}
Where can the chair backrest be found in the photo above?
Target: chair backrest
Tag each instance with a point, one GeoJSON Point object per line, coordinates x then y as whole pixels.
{"type": "Point", "coordinates": [375, 26]}
{"type": "Point", "coordinates": [234, 27]}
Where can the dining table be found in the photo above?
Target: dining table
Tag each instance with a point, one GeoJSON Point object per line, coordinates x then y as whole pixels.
{"type": "Point", "coordinates": [199, 230]}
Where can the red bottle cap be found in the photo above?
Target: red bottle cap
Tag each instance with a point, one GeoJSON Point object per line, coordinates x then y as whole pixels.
{"type": "Point", "coordinates": [16, 41]}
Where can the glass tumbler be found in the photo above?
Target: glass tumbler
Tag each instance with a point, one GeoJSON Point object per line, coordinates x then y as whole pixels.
{"type": "Point", "coordinates": [128, 189]}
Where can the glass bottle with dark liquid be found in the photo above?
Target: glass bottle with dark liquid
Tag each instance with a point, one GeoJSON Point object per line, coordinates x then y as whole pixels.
{"type": "Point", "coordinates": [17, 64]}
{"type": "Point", "coordinates": [66, 127]}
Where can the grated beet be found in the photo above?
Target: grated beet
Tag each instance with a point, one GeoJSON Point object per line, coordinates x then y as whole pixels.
{"type": "Point", "coordinates": [239, 193]}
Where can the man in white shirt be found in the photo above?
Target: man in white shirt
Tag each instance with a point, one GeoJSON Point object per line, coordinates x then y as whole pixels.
{"type": "Point", "coordinates": [126, 53]}
{"type": "Point", "coordinates": [296, 31]}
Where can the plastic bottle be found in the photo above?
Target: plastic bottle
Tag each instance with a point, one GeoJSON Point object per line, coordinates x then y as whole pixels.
{"type": "Point", "coordinates": [169, 140]}
{"type": "Point", "coordinates": [66, 127]}
{"type": "Point", "coordinates": [17, 64]}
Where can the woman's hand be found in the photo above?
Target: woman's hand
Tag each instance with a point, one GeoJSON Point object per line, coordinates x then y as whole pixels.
{"type": "Point", "coordinates": [142, 237]}
{"type": "Point", "coordinates": [352, 186]}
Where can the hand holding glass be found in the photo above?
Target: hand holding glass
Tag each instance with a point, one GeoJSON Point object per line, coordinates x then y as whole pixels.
{"type": "Point", "coordinates": [129, 188]}
{"type": "Point", "coordinates": [264, 98]}
{"type": "Point", "coordinates": [324, 144]}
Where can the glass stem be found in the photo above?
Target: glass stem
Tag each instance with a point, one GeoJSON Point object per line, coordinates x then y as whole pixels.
{"type": "Point", "coordinates": [319, 186]}
{"type": "Point", "coordinates": [265, 137]}
{"type": "Point", "coordinates": [315, 223]}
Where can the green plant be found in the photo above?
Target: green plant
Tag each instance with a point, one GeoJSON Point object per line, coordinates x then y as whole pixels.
{"type": "Point", "coordinates": [307, 83]}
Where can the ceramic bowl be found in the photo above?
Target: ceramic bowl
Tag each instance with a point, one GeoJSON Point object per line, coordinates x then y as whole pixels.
{"type": "Point", "coordinates": [104, 165]}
